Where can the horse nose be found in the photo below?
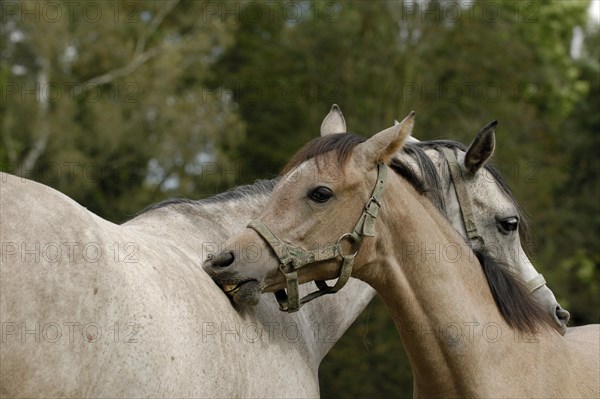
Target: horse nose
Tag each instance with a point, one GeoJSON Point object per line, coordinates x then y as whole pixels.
{"type": "Point", "coordinates": [562, 314]}
{"type": "Point", "coordinates": [222, 260]}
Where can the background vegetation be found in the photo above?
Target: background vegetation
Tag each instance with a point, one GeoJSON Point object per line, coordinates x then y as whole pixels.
{"type": "Point", "coordinates": [123, 103]}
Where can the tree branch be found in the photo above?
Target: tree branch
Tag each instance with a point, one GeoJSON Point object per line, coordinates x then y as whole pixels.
{"type": "Point", "coordinates": [140, 55]}
{"type": "Point", "coordinates": [139, 58]}
{"type": "Point", "coordinates": [9, 146]}
{"type": "Point", "coordinates": [153, 26]}
{"type": "Point", "coordinates": [117, 73]}
{"type": "Point", "coordinates": [42, 125]}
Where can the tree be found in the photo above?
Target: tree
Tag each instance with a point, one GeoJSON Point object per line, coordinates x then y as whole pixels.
{"type": "Point", "coordinates": [106, 101]}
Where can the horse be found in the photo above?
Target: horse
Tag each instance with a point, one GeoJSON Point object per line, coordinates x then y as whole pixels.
{"type": "Point", "coordinates": [93, 309]}
{"type": "Point", "coordinates": [480, 198]}
{"type": "Point", "coordinates": [469, 326]}
{"type": "Point", "coordinates": [76, 289]}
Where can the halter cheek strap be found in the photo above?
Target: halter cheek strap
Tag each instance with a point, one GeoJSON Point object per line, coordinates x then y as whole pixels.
{"type": "Point", "coordinates": [464, 202]}
{"type": "Point", "coordinates": [291, 257]}
{"type": "Point", "coordinates": [535, 283]}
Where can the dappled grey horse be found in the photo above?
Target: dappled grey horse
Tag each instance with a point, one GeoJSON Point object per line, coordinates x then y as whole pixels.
{"type": "Point", "coordinates": [93, 309]}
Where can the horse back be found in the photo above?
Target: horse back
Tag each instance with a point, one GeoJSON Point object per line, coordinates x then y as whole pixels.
{"type": "Point", "coordinates": [93, 309]}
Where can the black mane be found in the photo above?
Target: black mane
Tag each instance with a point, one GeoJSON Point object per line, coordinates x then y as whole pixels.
{"type": "Point", "coordinates": [517, 306]}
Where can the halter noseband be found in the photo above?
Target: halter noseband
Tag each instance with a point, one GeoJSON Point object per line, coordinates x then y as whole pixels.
{"type": "Point", "coordinates": [466, 210]}
{"type": "Point", "coordinates": [291, 257]}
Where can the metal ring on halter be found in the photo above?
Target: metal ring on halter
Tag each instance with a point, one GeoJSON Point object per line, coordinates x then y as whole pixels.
{"type": "Point", "coordinates": [354, 243]}
{"type": "Point", "coordinates": [284, 267]}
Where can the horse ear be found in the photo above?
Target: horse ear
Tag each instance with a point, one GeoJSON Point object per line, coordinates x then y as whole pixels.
{"type": "Point", "coordinates": [383, 145]}
{"type": "Point", "coordinates": [334, 122]}
{"type": "Point", "coordinates": [410, 138]}
{"type": "Point", "coordinates": [482, 148]}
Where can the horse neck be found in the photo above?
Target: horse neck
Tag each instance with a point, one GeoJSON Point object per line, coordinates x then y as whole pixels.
{"type": "Point", "coordinates": [435, 290]}
{"type": "Point", "coordinates": [201, 228]}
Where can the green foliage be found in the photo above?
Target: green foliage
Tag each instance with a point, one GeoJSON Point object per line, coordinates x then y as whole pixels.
{"type": "Point", "coordinates": [371, 349]}
{"type": "Point", "coordinates": [578, 281]}
{"type": "Point", "coordinates": [160, 99]}
{"type": "Point", "coordinates": [114, 112]}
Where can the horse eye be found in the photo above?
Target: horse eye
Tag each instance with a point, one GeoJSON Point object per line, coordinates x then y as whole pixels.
{"type": "Point", "coordinates": [507, 225]}
{"type": "Point", "coordinates": [320, 194]}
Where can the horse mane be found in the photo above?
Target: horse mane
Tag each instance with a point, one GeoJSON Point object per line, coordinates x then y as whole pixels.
{"type": "Point", "coordinates": [259, 187]}
{"type": "Point", "coordinates": [428, 182]}
{"type": "Point", "coordinates": [517, 306]}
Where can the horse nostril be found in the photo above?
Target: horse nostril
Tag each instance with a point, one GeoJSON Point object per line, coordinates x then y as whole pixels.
{"type": "Point", "coordinates": [223, 259]}
{"type": "Point", "coordinates": [562, 314]}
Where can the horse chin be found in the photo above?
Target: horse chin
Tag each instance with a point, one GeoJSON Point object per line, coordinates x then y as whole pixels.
{"type": "Point", "coordinates": [247, 293]}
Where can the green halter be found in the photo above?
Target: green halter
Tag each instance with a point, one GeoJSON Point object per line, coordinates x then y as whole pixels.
{"type": "Point", "coordinates": [291, 258]}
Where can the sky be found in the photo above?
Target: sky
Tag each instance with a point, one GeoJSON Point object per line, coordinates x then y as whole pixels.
{"type": "Point", "coordinates": [595, 10]}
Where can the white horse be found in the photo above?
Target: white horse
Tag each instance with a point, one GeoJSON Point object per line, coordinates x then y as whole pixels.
{"type": "Point", "coordinates": [127, 308]}
{"type": "Point", "coordinates": [468, 332]}
{"type": "Point", "coordinates": [93, 309]}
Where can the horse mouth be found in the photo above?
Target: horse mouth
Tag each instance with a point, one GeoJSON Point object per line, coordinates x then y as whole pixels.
{"type": "Point", "coordinates": [243, 292]}
{"type": "Point", "coordinates": [232, 289]}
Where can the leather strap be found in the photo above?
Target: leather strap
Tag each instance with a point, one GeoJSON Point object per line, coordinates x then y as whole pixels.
{"type": "Point", "coordinates": [464, 201]}
{"type": "Point", "coordinates": [535, 283]}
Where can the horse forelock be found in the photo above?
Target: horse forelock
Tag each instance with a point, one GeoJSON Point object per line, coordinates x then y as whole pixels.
{"type": "Point", "coordinates": [516, 305]}
{"type": "Point", "coordinates": [342, 144]}
{"type": "Point", "coordinates": [428, 181]}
